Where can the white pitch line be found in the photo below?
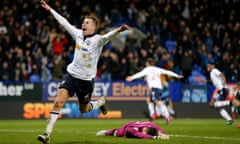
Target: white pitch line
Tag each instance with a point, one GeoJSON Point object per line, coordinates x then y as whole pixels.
{"type": "Point", "coordinates": [20, 131]}
{"type": "Point", "coordinates": [30, 131]}
{"type": "Point", "coordinates": [67, 131]}
{"type": "Point", "coordinates": [207, 137]}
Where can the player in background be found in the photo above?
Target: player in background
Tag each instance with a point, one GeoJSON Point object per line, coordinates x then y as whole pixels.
{"type": "Point", "coordinates": [153, 77]}
{"type": "Point", "coordinates": [236, 101]}
{"type": "Point", "coordinates": [82, 70]}
{"type": "Point", "coordinates": [141, 130]}
{"type": "Point", "coordinates": [219, 100]}
{"type": "Point", "coordinates": [166, 95]}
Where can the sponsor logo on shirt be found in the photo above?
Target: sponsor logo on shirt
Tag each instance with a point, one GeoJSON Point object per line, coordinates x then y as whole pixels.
{"type": "Point", "coordinates": [84, 49]}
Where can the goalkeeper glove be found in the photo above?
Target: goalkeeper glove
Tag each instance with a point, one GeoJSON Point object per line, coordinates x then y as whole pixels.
{"type": "Point", "coordinates": [161, 137]}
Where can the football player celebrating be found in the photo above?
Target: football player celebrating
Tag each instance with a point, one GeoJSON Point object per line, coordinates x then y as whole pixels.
{"type": "Point", "coordinates": [219, 100]}
{"type": "Point", "coordinates": [153, 77]}
{"type": "Point", "coordinates": [82, 70]}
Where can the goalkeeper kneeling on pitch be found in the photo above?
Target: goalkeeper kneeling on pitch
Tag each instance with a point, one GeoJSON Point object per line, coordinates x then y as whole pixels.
{"type": "Point", "coordinates": [142, 130]}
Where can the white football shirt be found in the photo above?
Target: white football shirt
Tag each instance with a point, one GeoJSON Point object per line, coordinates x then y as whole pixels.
{"type": "Point", "coordinates": [87, 51]}
{"type": "Point", "coordinates": [216, 79]}
{"type": "Point", "coordinates": [153, 76]}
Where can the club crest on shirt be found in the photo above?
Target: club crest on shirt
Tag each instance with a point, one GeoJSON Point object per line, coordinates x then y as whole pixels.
{"type": "Point", "coordinates": [88, 42]}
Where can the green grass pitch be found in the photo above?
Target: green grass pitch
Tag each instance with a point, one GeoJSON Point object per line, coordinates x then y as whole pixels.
{"type": "Point", "coordinates": [82, 131]}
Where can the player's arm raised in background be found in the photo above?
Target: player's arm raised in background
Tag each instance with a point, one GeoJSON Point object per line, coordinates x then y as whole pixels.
{"type": "Point", "coordinates": [170, 73]}
{"type": "Point", "coordinates": [137, 75]}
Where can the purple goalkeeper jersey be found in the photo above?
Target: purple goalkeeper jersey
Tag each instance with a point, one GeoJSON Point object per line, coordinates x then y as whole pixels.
{"type": "Point", "coordinates": [134, 130]}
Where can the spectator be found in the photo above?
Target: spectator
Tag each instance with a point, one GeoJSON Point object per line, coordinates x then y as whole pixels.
{"type": "Point", "coordinates": [104, 65]}
{"type": "Point", "coordinates": [203, 26]}
{"type": "Point", "coordinates": [18, 72]}
{"type": "Point", "coordinates": [3, 28]}
{"type": "Point", "coordinates": [115, 67]}
{"type": "Point", "coordinates": [124, 68]}
{"type": "Point", "coordinates": [187, 64]}
{"type": "Point", "coordinates": [5, 75]}
{"type": "Point", "coordinates": [58, 43]}
{"type": "Point", "coordinates": [133, 63]}
{"type": "Point", "coordinates": [45, 72]}
{"type": "Point", "coordinates": [57, 68]}
{"type": "Point", "coordinates": [34, 76]}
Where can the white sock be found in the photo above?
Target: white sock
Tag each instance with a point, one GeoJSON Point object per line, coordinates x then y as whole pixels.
{"type": "Point", "coordinates": [162, 110]}
{"type": "Point", "coordinates": [93, 105]}
{"type": "Point", "coordinates": [225, 114]}
{"type": "Point", "coordinates": [97, 104]}
{"type": "Point", "coordinates": [151, 108]}
{"type": "Point", "coordinates": [51, 121]}
{"type": "Point", "coordinates": [171, 111]}
{"type": "Point", "coordinates": [221, 103]}
{"type": "Point", "coordinates": [233, 109]}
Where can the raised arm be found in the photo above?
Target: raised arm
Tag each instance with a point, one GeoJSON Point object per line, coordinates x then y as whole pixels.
{"type": "Point", "coordinates": [108, 36]}
{"type": "Point", "coordinates": [45, 5]}
{"type": "Point", "coordinates": [137, 75]}
{"type": "Point", "coordinates": [61, 20]}
{"type": "Point", "coordinates": [170, 73]}
{"type": "Point", "coordinates": [123, 28]}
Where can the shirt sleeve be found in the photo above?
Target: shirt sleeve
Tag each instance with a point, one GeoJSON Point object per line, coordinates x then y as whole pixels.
{"type": "Point", "coordinates": [167, 72]}
{"type": "Point", "coordinates": [161, 131]}
{"type": "Point", "coordinates": [140, 74]}
{"type": "Point", "coordinates": [217, 72]}
{"type": "Point", "coordinates": [108, 36]}
{"type": "Point", "coordinates": [134, 132]}
{"type": "Point", "coordinates": [63, 21]}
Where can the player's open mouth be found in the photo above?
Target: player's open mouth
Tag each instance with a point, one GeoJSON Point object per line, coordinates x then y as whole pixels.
{"type": "Point", "coordinates": [84, 29]}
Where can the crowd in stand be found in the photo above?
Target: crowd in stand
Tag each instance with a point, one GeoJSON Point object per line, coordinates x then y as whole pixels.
{"type": "Point", "coordinates": [182, 35]}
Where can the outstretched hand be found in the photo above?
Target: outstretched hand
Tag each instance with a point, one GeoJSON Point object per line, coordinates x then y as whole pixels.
{"type": "Point", "coordinates": [45, 5]}
{"type": "Point", "coordinates": [180, 76]}
{"type": "Point", "coordinates": [161, 137]}
{"type": "Point", "coordinates": [123, 28]}
{"type": "Point", "coordinates": [128, 78]}
{"type": "Point", "coordinates": [199, 79]}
